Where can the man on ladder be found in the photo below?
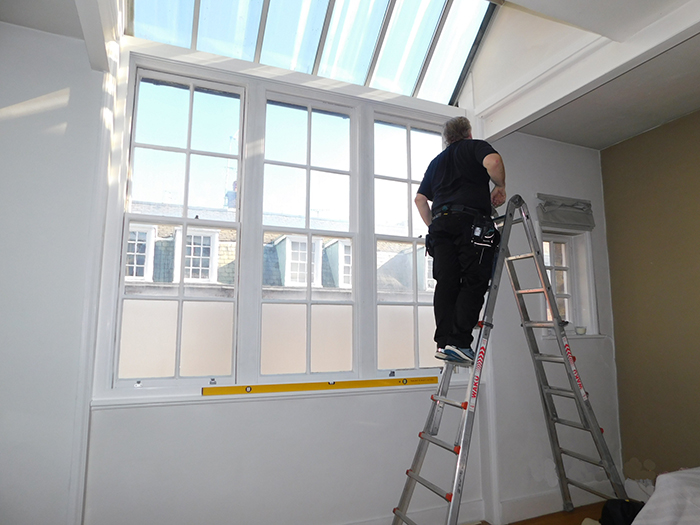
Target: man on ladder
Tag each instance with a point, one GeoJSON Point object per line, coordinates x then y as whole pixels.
{"type": "Point", "coordinates": [462, 238]}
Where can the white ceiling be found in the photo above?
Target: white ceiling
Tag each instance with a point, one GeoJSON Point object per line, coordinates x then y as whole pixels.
{"type": "Point", "coordinates": [657, 91]}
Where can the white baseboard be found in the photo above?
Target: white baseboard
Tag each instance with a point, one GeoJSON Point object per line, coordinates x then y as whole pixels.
{"type": "Point", "coordinates": [469, 512]}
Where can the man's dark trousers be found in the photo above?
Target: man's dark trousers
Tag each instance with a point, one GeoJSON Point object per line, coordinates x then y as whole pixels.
{"type": "Point", "coordinates": [462, 272]}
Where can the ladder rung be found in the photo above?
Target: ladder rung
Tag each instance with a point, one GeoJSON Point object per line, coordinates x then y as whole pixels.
{"type": "Point", "coordinates": [556, 391]}
{"type": "Point", "coordinates": [427, 484]}
{"type": "Point", "coordinates": [520, 256]}
{"type": "Point", "coordinates": [439, 442]}
{"type": "Point", "coordinates": [587, 489]}
{"type": "Point", "coordinates": [530, 290]}
{"type": "Point", "coordinates": [587, 459]}
{"type": "Point", "coordinates": [463, 404]}
{"type": "Point", "coordinates": [550, 358]}
{"type": "Point", "coordinates": [539, 324]}
{"type": "Point", "coordinates": [569, 423]}
{"type": "Point", "coordinates": [403, 517]}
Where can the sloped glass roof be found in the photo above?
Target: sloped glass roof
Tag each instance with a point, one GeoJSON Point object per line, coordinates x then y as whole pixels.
{"type": "Point", "coordinates": [420, 48]}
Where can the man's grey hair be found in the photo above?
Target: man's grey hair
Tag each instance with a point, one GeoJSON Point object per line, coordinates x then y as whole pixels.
{"type": "Point", "coordinates": [455, 129]}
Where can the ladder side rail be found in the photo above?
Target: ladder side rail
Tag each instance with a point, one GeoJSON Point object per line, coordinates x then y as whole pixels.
{"type": "Point", "coordinates": [431, 427]}
{"type": "Point", "coordinates": [582, 403]}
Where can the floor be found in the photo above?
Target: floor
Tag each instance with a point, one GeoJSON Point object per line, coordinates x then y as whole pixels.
{"type": "Point", "coordinates": [575, 517]}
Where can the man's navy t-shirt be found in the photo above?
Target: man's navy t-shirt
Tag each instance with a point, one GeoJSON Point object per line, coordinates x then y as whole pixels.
{"type": "Point", "coordinates": [457, 176]}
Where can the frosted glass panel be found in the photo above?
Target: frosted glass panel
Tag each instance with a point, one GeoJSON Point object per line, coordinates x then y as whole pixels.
{"type": "Point", "coordinates": [331, 338]}
{"type": "Point", "coordinates": [157, 182]}
{"type": "Point", "coordinates": [207, 339]}
{"type": "Point", "coordinates": [394, 271]}
{"type": "Point", "coordinates": [426, 332]}
{"type": "Point", "coordinates": [283, 346]}
{"type": "Point", "coordinates": [148, 339]}
{"type": "Point", "coordinates": [395, 337]}
{"type": "Point", "coordinates": [390, 156]}
{"type": "Point", "coordinates": [391, 207]}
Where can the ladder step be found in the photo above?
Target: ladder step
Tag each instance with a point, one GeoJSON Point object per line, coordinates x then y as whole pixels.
{"type": "Point", "coordinates": [520, 256]}
{"type": "Point", "coordinates": [530, 291]}
{"type": "Point", "coordinates": [587, 489]}
{"type": "Point", "coordinates": [556, 391]}
{"type": "Point", "coordinates": [569, 423]}
{"type": "Point", "coordinates": [440, 443]}
{"type": "Point", "coordinates": [447, 496]}
{"type": "Point", "coordinates": [459, 404]}
{"type": "Point", "coordinates": [403, 517]}
{"type": "Point", "coordinates": [587, 459]}
{"type": "Point", "coordinates": [539, 324]}
{"type": "Point", "coordinates": [550, 358]}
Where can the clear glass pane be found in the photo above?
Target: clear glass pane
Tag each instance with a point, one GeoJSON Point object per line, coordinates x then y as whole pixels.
{"type": "Point", "coordinates": [390, 207]}
{"type": "Point", "coordinates": [330, 201]}
{"type": "Point", "coordinates": [560, 254]}
{"type": "Point", "coordinates": [456, 41]}
{"type": "Point", "coordinates": [390, 157]}
{"type": "Point", "coordinates": [330, 140]}
{"type": "Point", "coordinates": [209, 264]}
{"type": "Point", "coordinates": [563, 306]}
{"type": "Point", "coordinates": [407, 40]}
{"type": "Point", "coordinates": [229, 28]}
{"type": "Point", "coordinates": [148, 339]}
{"type": "Point", "coordinates": [352, 35]}
{"type": "Point", "coordinates": [394, 271]}
{"type": "Point", "coordinates": [286, 266]}
{"type": "Point", "coordinates": [561, 285]}
{"type": "Point", "coordinates": [157, 182]}
{"type": "Point", "coordinates": [424, 267]}
{"type": "Point", "coordinates": [426, 334]}
{"type": "Point", "coordinates": [283, 345]}
{"type": "Point", "coordinates": [286, 133]}
{"type": "Point", "coordinates": [331, 338]}
{"type": "Point", "coordinates": [213, 191]}
{"type": "Point", "coordinates": [150, 258]}
{"type": "Point", "coordinates": [292, 33]}
{"type": "Point", "coordinates": [206, 348]}
{"type": "Point", "coordinates": [284, 196]}
{"type": "Point", "coordinates": [216, 122]}
{"type": "Point", "coordinates": [546, 254]}
{"type": "Point", "coordinates": [395, 337]}
{"type": "Point", "coordinates": [425, 146]}
{"type": "Point", "coordinates": [420, 229]}
{"type": "Point", "coordinates": [166, 21]}
{"type": "Point", "coordinates": [162, 113]}
{"type": "Point", "coordinates": [331, 269]}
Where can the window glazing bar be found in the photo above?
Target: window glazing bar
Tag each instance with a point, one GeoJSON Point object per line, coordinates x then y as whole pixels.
{"type": "Point", "coordinates": [433, 44]}
{"type": "Point", "coordinates": [380, 41]}
{"type": "Point", "coordinates": [261, 30]}
{"type": "Point", "coordinates": [324, 34]}
{"type": "Point", "coordinates": [195, 24]}
{"type": "Point", "coordinates": [470, 58]}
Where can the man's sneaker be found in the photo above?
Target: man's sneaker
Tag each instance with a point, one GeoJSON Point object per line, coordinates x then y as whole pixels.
{"type": "Point", "coordinates": [459, 356]}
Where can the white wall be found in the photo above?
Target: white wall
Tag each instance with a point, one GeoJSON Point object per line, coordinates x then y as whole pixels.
{"type": "Point", "coordinates": [307, 459]}
{"type": "Point", "coordinates": [50, 103]}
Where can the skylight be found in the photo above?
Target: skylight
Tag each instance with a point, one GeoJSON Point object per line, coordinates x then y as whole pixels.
{"type": "Point", "coordinates": [420, 48]}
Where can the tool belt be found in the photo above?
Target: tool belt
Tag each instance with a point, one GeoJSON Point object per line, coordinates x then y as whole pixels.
{"type": "Point", "coordinates": [483, 232]}
{"type": "Point", "coordinates": [449, 209]}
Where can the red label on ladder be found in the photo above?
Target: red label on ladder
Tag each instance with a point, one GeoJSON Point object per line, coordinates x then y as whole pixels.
{"type": "Point", "coordinates": [571, 359]}
{"type": "Point", "coordinates": [478, 365]}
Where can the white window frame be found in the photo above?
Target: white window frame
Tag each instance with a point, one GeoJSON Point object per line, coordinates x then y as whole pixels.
{"type": "Point", "coordinates": [255, 87]}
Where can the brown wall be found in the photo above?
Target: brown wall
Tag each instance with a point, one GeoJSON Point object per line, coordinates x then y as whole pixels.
{"type": "Point", "coordinates": [652, 206]}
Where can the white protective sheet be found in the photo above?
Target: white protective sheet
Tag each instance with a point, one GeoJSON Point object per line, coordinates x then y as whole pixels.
{"type": "Point", "coordinates": [675, 501]}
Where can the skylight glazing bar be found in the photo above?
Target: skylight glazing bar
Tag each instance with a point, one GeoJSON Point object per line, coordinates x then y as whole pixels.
{"type": "Point", "coordinates": [324, 34]}
{"type": "Point", "coordinates": [470, 58]}
{"type": "Point", "coordinates": [261, 31]}
{"type": "Point", "coordinates": [433, 44]}
{"type": "Point", "coordinates": [380, 41]}
{"type": "Point", "coordinates": [195, 24]}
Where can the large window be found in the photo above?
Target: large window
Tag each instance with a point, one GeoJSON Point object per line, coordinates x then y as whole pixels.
{"type": "Point", "coordinates": [405, 323]}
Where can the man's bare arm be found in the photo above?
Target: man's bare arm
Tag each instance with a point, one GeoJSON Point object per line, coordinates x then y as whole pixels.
{"type": "Point", "coordinates": [424, 208]}
{"type": "Point", "coordinates": [497, 171]}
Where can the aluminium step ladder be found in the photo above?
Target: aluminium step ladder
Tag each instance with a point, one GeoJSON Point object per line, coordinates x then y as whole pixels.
{"type": "Point", "coordinates": [573, 391]}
